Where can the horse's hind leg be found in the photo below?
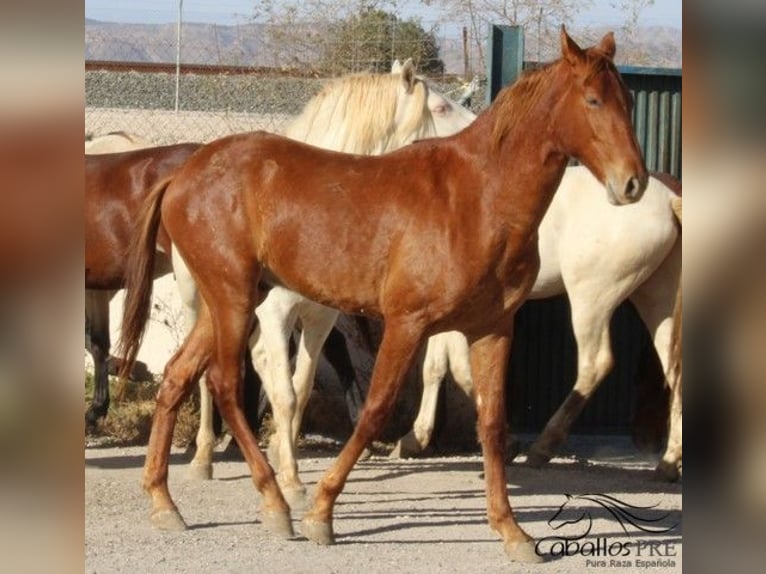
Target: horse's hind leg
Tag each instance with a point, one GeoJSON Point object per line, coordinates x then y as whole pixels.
{"type": "Point", "coordinates": [97, 332]}
{"type": "Point", "coordinates": [399, 345]}
{"type": "Point", "coordinates": [655, 300]}
{"type": "Point", "coordinates": [232, 310]}
{"type": "Point", "coordinates": [201, 466]}
{"type": "Point", "coordinates": [590, 321]}
{"type": "Point", "coordinates": [435, 365]}
{"type": "Point", "coordinates": [180, 373]}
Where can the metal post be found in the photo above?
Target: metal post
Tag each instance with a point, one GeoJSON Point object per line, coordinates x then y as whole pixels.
{"type": "Point", "coordinates": [506, 57]}
{"type": "Point", "coordinates": [178, 50]}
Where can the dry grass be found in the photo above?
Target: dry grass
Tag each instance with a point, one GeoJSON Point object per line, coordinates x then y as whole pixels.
{"type": "Point", "coordinates": [130, 414]}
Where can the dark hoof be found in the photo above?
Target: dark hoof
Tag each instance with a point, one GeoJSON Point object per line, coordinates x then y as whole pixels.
{"type": "Point", "coordinates": [536, 458]}
{"type": "Point", "coordinates": [92, 418]}
{"type": "Point", "coordinates": [668, 471]}
{"type": "Point", "coordinates": [407, 447]}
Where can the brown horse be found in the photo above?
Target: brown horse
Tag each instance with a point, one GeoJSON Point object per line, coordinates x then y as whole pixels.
{"type": "Point", "coordinates": [116, 184]}
{"type": "Point", "coordinates": [438, 235]}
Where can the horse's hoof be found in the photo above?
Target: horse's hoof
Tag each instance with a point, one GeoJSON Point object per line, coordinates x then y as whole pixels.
{"type": "Point", "coordinates": [92, 419]}
{"type": "Point", "coordinates": [200, 471]}
{"type": "Point", "coordinates": [168, 520]}
{"type": "Point", "coordinates": [537, 458]}
{"type": "Point", "coordinates": [319, 532]}
{"type": "Point", "coordinates": [295, 496]}
{"type": "Point", "coordinates": [522, 552]}
{"type": "Point", "coordinates": [407, 447]}
{"type": "Point", "coordinates": [667, 471]}
{"type": "Point", "coordinates": [278, 523]}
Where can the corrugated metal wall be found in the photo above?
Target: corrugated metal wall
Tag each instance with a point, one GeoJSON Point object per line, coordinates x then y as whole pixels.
{"type": "Point", "coordinates": [657, 115]}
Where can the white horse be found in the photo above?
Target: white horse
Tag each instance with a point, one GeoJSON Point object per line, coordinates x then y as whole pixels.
{"type": "Point", "coordinates": [364, 114]}
{"type": "Point", "coordinates": [114, 142]}
{"type": "Point", "coordinates": [600, 256]}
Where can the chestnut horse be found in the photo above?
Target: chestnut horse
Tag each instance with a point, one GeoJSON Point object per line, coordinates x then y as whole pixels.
{"type": "Point", "coordinates": [116, 184]}
{"type": "Point", "coordinates": [436, 236]}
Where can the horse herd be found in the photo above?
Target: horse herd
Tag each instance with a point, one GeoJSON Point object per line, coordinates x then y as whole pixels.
{"type": "Point", "coordinates": [415, 212]}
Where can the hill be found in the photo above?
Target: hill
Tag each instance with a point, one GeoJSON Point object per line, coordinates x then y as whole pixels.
{"type": "Point", "coordinates": [249, 45]}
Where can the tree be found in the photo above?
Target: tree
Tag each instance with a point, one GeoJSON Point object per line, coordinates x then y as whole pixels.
{"type": "Point", "coordinates": [372, 39]}
{"type": "Point", "coordinates": [541, 19]}
{"type": "Point", "coordinates": [343, 36]}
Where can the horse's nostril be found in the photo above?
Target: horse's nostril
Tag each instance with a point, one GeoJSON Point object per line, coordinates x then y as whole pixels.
{"type": "Point", "coordinates": [632, 188]}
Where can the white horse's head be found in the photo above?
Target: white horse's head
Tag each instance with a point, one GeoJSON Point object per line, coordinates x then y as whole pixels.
{"type": "Point", "coordinates": [376, 113]}
{"type": "Point", "coordinates": [449, 117]}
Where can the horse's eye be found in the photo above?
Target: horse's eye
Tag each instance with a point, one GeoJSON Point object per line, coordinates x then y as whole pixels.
{"type": "Point", "coordinates": [442, 108]}
{"type": "Point", "coordinates": [593, 101]}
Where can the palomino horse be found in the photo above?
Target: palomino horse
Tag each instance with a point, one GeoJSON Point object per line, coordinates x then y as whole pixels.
{"type": "Point", "coordinates": [115, 142]}
{"type": "Point", "coordinates": [364, 114]}
{"type": "Point", "coordinates": [436, 236]}
{"type": "Point", "coordinates": [115, 186]}
{"type": "Point", "coordinates": [644, 266]}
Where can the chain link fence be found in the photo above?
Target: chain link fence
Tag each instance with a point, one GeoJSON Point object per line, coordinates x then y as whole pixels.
{"type": "Point", "coordinates": [239, 78]}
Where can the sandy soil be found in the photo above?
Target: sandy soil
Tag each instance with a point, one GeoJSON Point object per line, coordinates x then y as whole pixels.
{"type": "Point", "coordinates": [415, 516]}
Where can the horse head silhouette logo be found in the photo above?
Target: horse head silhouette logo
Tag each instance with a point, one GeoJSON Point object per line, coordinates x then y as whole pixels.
{"type": "Point", "coordinates": [576, 510]}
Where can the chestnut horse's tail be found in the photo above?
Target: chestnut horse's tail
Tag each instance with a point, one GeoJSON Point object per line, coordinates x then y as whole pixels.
{"type": "Point", "coordinates": [139, 276]}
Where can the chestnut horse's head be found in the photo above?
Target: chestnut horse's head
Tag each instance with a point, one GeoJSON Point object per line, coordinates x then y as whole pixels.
{"type": "Point", "coordinates": [594, 120]}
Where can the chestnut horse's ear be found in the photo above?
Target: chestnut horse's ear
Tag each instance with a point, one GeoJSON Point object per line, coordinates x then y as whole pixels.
{"type": "Point", "coordinates": [607, 45]}
{"type": "Point", "coordinates": [396, 67]}
{"type": "Point", "coordinates": [408, 75]}
{"type": "Point", "coordinates": [570, 51]}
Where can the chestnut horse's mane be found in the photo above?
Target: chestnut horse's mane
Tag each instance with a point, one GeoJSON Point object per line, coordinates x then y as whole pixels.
{"type": "Point", "coordinates": [343, 105]}
{"type": "Point", "coordinates": [515, 102]}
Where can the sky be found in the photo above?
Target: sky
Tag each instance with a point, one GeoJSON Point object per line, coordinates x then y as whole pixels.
{"type": "Point", "coordinates": [662, 12]}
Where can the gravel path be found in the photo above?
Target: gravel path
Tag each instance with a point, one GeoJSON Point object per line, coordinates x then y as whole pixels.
{"type": "Point", "coordinates": [413, 516]}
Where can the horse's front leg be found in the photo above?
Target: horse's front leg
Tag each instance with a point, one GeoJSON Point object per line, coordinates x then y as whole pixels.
{"type": "Point", "coordinates": [269, 344]}
{"type": "Point", "coordinates": [590, 322]}
{"type": "Point", "coordinates": [401, 340]}
{"type": "Point", "coordinates": [317, 321]}
{"type": "Point", "coordinates": [435, 365]}
{"type": "Point", "coordinates": [232, 300]}
{"type": "Point", "coordinates": [489, 360]}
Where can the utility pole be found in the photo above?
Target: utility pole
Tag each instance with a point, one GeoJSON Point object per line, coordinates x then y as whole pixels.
{"type": "Point", "coordinates": [178, 50]}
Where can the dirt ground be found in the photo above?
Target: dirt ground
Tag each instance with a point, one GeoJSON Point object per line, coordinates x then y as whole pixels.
{"type": "Point", "coordinates": [410, 516]}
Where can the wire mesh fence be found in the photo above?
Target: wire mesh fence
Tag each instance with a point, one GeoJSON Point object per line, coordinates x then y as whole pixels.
{"type": "Point", "coordinates": [250, 76]}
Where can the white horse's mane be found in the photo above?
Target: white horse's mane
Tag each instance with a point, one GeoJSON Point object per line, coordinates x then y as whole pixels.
{"type": "Point", "coordinates": [340, 118]}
